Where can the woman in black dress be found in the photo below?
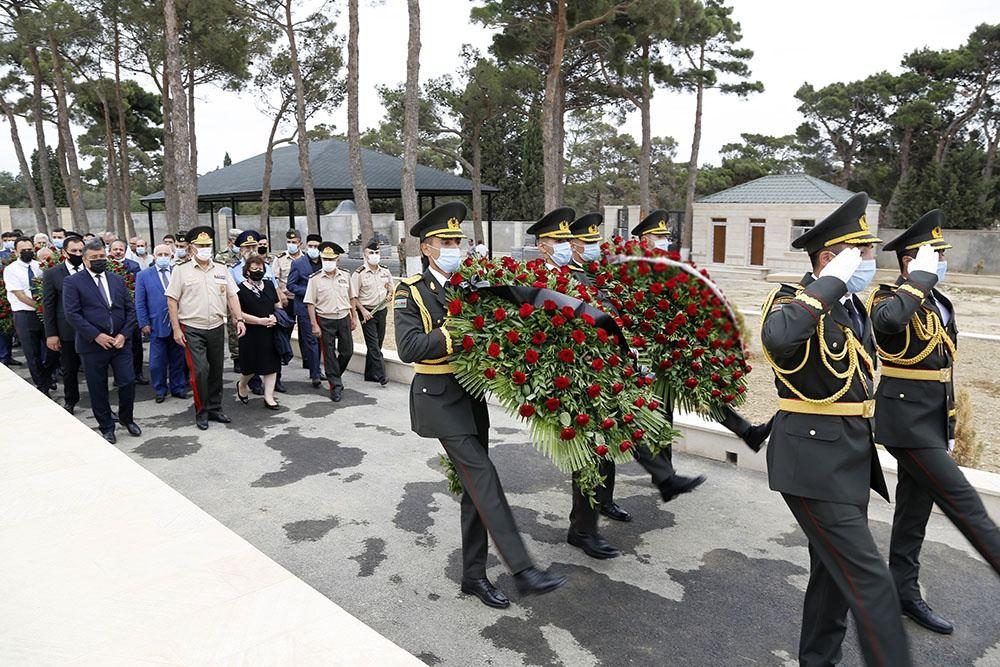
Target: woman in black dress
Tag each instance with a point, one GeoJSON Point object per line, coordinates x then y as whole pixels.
{"type": "Point", "coordinates": [258, 355]}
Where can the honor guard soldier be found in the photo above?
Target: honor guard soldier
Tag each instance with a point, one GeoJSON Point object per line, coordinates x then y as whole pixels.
{"type": "Point", "coordinates": [198, 294]}
{"type": "Point", "coordinates": [917, 337]}
{"type": "Point", "coordinates": [441, 408]}
{"type": "Point", "coordinates": [328, 300]}
{"type": "Point", "coordinates": [821, 456]}
{"type": "Point", "coordinates": [372, 287]}
{"type": "Point", "coordinates": [653, 231]}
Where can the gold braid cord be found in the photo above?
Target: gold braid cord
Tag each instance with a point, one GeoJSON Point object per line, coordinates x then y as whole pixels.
{"type": "Point", "coordinates": [928, 329]}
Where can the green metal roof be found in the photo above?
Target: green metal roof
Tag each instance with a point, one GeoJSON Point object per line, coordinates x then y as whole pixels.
{"type": "Point", "coordinates": [782, 189]}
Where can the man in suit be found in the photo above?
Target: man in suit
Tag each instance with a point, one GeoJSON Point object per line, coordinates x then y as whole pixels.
{"type": "Point", "coordinates": [117, 254]}
{"type": "Point", "coordinates": [298, 281]}
{"type": "Point", "coordinates": [821, 456]}
{"type": "Point", "coordinates": [59, 335]}
{"type": "Point", "coordinates": [98, 307]}
{"type": "Point", "coordinates": [441, 408]}
{"type": "Point", "coordinates": [915, 412]}
{"type": "Point", "coordinates": [167, 366]}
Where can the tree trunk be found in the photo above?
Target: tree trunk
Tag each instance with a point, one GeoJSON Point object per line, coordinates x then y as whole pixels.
{"type": "Point", "coordinates": [944, 143]}
{"type": "Point", "coordinates": [904, 172]}
{"type": "Point", "coordinates": [190, 107]}
{"type": "Point", "coordinates": [992, 140]}
{"type": "Point", "coordinates": [112, 202]}
{"type": "Point", "coordinates": [265, 186]}
{"type": "Point", "coordinates": [29, 183]}
{"type": "Point", "coordinates": [687, 229]}
{"type": "Point", "coordinates": [75, 191]}
{"type": "Point", "coordinates": [477, 186]}
{"type": "Point", "coordinates": [171, 201]}
{"type": "Point", "coordinates": [309, 194]}
{"type": "Point", "coordinates": [646, 147]}
{"type": "Point", "coordinates": [353, 132]}
{"type": "Point", "coordinates": [551, 113]}
{"type": "Point", "coordinates": [411, 111]}
{"type": "Point", "coordinates": [63, 169]}
{"type": "Point", "coordinates": [44, 175]}
{"type": "Point", "coordinates": [125, 178]}
{"type": "Point", "coordinates": [187, 188]}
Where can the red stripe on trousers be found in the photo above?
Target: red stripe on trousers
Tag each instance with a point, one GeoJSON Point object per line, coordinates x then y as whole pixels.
{"type": "Point", "coordinates": [194, 380]}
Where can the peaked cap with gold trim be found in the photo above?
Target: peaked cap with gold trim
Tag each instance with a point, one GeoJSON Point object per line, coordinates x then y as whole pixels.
{"type": "Point", "coordinates": [845, 225]}
{"type": "Point", "coordinates": [554, 224]}
{"type": "Point", "coordinates": [926, 230]}
{"type": "Point", "coordinates": [657, 222]}
{"type": "Point", "coordinates": [201, 235]}
{"type": "Point", "coordinates": [587, 227]}
{"type": "Point", "coordinates": [330, 250]}
{"type": "Point", "coordinates": [443, 222]}
{"type": "Point", "coordinates": [248, 238]}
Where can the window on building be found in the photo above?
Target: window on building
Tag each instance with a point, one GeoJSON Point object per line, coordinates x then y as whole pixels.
{"type": "Point", "coordinates": [799, 227]}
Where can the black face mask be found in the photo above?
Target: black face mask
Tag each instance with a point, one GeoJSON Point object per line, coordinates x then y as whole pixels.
{"type": "Point", "coordinates": [255, 276]}
{"type": "Point", "coordinates": [75, 260]}
{"type": "Point", "coordinates": [98, 265]}
{"type": "Point", "coordinates": [261, 250]}
{"type": "Point", "coordinates": [27, 255]}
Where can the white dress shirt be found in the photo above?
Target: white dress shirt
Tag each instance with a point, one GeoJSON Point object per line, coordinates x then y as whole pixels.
{"type": "Point", "coordinates": [102, 283]}
{"type": "Point", "coordinates": [15, 277]}
{"type": "Point", "coordinates": [72, 269]}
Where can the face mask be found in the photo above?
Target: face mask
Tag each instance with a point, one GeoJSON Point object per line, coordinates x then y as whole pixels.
{"type": "Point", "coordinates": [942, 270]}
{"type": "Point", "coordinates": [293, 248]}
{"type": "Point", "coordinates": [58, 243]}
{"type": "Point", "coordinates": [662, 244]}
{"type": "Point", "coordinates": [373, 258]}
{"type": "Point", "coordinates": [449, 259]}
{"type": "Point", "coordinates": [255, 276]}
{"type": "Point", "coordinates": [98, 265]}
{"type": "Point", "coordinates": [8, 245]}
{"type": "Point", "coordinates": [162, 262]}
{"type": "Point", "coordinates": [180, 253]}
{"type": "Point", "coordinates": [27, 255]}
{"type": "Point", "coordinates": [313, 253]}
{"type": "Point", "coordinates": [205, 254]}
{"type": "Point", "coordinates": [262, 250]}
{"type": "Point", "coordinates": [562, 254]}
{"type": "Point", "coordinates": [591, 252]}
{"type": "Point", "coordinates": [74, 260]}
{"type": "Point", "coordinates": [140, 251]}
{"type": "Point", "coordinates": [862, 276]}
{"type": "Point", "coordinates": [329, 265]}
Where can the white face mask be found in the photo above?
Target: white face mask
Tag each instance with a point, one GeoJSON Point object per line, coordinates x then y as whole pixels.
{"type": "Point", "coordinates": [293, 248]}
{"type": "Point", "coordinates": [180, 253]}
{"type": "Point", "coordinates": [449, 259]}
{"type": "Point", "coordinates": [662, 244]}
{"type": "Point", "coordinates": [329, 265]}
{"type": "Point", "coordinates": [562, 254]}
{"type": "Point", "coordinates": [140, 250]}
{"type": "Point", "coordinates": [205, 253]}
{"type": "Point", "coordinates": [373, 257]}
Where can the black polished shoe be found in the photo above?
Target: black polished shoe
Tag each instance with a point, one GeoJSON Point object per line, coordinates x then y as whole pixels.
{"type": "Point", "coordinates": [219, 417]}
{"type": "Point", "coordinates": [679, 484]}
{"type": "Point", "coordinates": [272, 406]}
{"type": "Point", "coordinates": [613, 511]}
{"type": "Point", "coordinates": [183, 396]}
{"type": "Point", "coordinates": [133, 429]}
{"type": "Point", "coordinates": [488, 594]}
{"type": "Point", "coordinates": [13, 362]}
{"type": "Point", "coordinates": [279, 387]}
{"type": "Point", "coordinates": [383, 381]}
{"type": "Point", "coordinates": [533, 581]}
{"type": "Point", "coordinates": [922, 614]}
{"type": "Point", "coordinates": [201, 420]}
{"type": "Point", "coordinates": [160, 398]}
{"type": "Point", "coordinates": [594, 546]}
{"type": "Point", "coordinates": [316, 382]}
{"type": "Point", "coordinates": [335, 395]}
{"type": "Point", "coordinates": [109, 436]}
{"type": "Point", "coordinates": [141, 380]}
{"type": "Point", "coordinates": [242, 399]}
{"type": "Point", "coordinates": [69, 407]}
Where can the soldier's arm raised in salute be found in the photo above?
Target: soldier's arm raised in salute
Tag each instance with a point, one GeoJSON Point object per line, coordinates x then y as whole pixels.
{"type": "Point", "coordinates": [891, 311]}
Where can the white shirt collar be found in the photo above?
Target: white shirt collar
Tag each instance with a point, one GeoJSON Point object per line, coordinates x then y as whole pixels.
{"type": "Point", "coordinates": [438, 276]}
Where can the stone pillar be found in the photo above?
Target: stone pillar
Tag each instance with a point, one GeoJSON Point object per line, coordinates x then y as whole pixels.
{"type": "Point", "coordinates": [518, 231]}
{"type": "Point", "coordinates": [66, 217]}
{"type": "Point", "coordinates": [400, 230]}
{"type": "Point", "coordinates": [5, 222]}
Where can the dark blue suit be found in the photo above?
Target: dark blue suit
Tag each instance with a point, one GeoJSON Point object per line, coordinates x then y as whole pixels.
{"type": "Point", "coordinates": [167, 367]}
{"type": "Point", "coordinates": [87, 311]}
{"type": "Point", "coordinates": [134, 268]}
{"type": "Point", "coordinates": [298, 280]}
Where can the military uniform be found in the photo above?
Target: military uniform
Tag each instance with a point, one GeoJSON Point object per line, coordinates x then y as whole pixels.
{"type": "Point", "coordinates": [821, 456]}
{"type": "Point", "coordinates": [654, 225]}
{"type": "Point", "coordinates": [372, 287]}
{"type": "Point", "coordinates": [329, 295]}
{"type": "Point", "coordinates": [917, 339]}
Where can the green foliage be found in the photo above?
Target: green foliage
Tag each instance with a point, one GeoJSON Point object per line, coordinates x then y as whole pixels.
{"type": "Point", "coordinates": [12, 190]}
{"type": "Point", "coordinates": [58, 187]}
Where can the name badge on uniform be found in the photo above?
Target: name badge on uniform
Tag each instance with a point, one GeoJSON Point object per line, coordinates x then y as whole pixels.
{"type": "Point", "coordinates": [221, 282]}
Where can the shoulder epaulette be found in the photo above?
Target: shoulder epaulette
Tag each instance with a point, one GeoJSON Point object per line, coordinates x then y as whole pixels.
{"type": "Point", "coordinates": [183, 261]}
{"type": "Point", "coordinates": [412, 280]}
{"type": "Point", "coordinates": [315, 273]}
{"type": "Point", "coordinates": [359, 269]}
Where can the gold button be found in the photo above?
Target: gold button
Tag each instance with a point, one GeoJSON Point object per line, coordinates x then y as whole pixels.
{"type": "Point", "coordinates": [812, 432]}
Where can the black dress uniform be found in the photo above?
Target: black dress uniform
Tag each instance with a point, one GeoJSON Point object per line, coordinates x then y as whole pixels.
{"type": "Point", "coordinates": [441, 408]}
{"type": "Point", "coordinates": [915, 417]}
{"type": "Point", "coordinates": [821, 456]}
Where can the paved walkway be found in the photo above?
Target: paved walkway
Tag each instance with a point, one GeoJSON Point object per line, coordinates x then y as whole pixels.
{"type": "Point", "coordinates": [345, 497]}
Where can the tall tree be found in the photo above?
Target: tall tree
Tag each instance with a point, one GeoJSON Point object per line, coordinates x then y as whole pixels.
{"type": "Point", "coordinates": [411, 113]}
{"type": "Point", "coordinates": [183, 169]}
{"type": "Point", "coordinates": [353, 130]}
{"type": "Point", "coordinates": [8, 84]}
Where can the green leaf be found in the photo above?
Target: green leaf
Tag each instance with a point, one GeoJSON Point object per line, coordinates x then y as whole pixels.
{"type": "Point", "coordinates": [565, 419]}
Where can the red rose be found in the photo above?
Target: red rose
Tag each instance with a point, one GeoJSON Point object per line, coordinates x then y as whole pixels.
{"type": "Point", "coordinates": [568, 312]}
{"type": "Point", "coordinates": [558, 320]}
{"type": "Point", "coordinates": [493, 350]}
{"type": "Point", "coordinates": [639, 402]}
{"type": "Point", "coordinates": [513, 336]}
{"type": "Point", "coordinates": [600, 450]}
{"type": "Point", "coordinates": [561, 382]}
{"type": "Point", "coordinates": [518, 377]}
{"type": "Point", "coordinates": [490, 373]}
{"type": "Point", "coordinates": [568, 433]}
{"type": "Point", "coordinates": [499, 314]}
{"type": "Point", "coordinates": [653, 405]}
{"type": "Point", "coordinates": [566, 355]}
{"type": "Point", "coordinates": [531, 356]}
{"type": "Point", "coordinates": [628, 417]}
{"type": "Point", "coordinates": [549, 305]}
{"type": "Point", "coordinates": [597, 364]}
{"type": "Point", "coordinates": [467, 343]}
{"type": "Point", "coordinates": [456, 279]}
{"type": "Point", "coordinates": [594, 390]}
{"type": "Point", "coordinates": [552, 404]}
{"type": "Point", "coordinates": [691, 383]}
{"type": "Point", "coordinates": [526, 410]}
{"type": "Point", "coordinates": [478, 322]}
{"type": "Point", "coordinates": [578, 336]}
{"type": "Point", "coordinates": [625, 446]}
{"type": "Point", "coordinates": [637, 434]}
{"type": "Point", "coordinates": [538, 337]}
{"type": "Point", "coordinates": [583, 420]}
{"type": "Point", "coordinates": [617, 387]}
{"type": "Point", "coordinates": [455, 307]}
{"type": "Point", "coordinates": [526, 310]}
{"type": "Point", "coordinates": [608, 423]}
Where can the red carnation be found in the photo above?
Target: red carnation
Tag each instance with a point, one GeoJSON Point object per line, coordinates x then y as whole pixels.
{"type": "Point", "coordinates": [691, 383]}
{"type": "Point", "coordinates": [472, 298]}
{"type": "Point", "coordinates": [568, 312]}
{"type": "Point", "coordinates": [552, 404]}
{"type": "Point", "coordinates": [617, 387]}
{"type": "Point", "coordinates": [568, 433]}
{"type": "Point", "coordinates": [455, 307]}
{"type": "Point", "coordinates": [600, 450]}
{"type": "Point", "coordinates": [637, 434]}
{"type": "Point", "coordinates": [561, 382]}
{"type": "Point", "coordinates": [625, 446]}
{"type": "Point", "coordinates": [456, 279]}
{"type": "Point", "coordinates": [558, 320]}
{"type": "Point", "coordinates": [639, 402]}
{"type": "Point", "coordinates": [594, 390]}
{"type": "Point", "coordinates": [608, 423]}
{"type": "Point", "coordinates": [526, 310]}
{"type": "Point", "coordinates": [493, 350]}
{"type": "Point", "coordinates": [696, 365]}
{"type": "Point", "coordinates": [597, 364]}
{"type": "Point", "coordinates": [490, 373]}
{"type": "Point", "coordinates": [628, 418]}
{"type": "Point", "coordinates": [513, 336]}
{"type": "Point", "coordinates": [467, 343]}
{"type": "Point", "coordinates": [499, 314]}
{"type": "Point", "coordinates": [578, 336]}
{"type": "Point", "coordinates": [526, 410]}
{"type": "Point", "coordinates": [549, 305]}
{"type": "Point", "coordinates": [614, 360]}
{"type": "Point", "coordinates": [538, 337]}
{"type": "Point", "coordinates": [602, 335]}
{"type": "Point", "coordinates": [478, 322]}
{"type": "Point", "coordinates": [653, 405]}
{"type": "Point", "coordinates": [531, 356]}
{"type": "Point", "coordinates": [566, 355]}
{"type": "Point", "coordinates": [583, 420]}
{"type": "Point", "coordinates": [588, 319]}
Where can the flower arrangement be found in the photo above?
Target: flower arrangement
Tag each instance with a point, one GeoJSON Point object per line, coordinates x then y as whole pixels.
{"type": "Point", "coordinates": [118, 268]}
{"type": "Point", "coordinates": [36, 285]}
{"type": "Point", "coordinates": [555, 362]}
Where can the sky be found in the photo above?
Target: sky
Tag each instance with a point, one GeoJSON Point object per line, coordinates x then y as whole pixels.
{"type": "Point", "coordinates": [794, 41]}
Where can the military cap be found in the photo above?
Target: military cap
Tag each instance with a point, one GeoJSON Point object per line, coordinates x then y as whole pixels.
{"type": "Point", "coordinates": [180, 236]}
{"type": "Point", "coordinates": [372, 245]}
{"type": "Point", "coordinates": [845, 225]}
{"type": "Point", "coordinates": [234, 232]}
{"type": "Point", "coordinates": [330, 250]}
{"type": "Point", "coordinates": [587, 227]}
{"type": "Point", "coordinates": [654, 223]}
{"type": "Point", "coordinates": [554, 224]}
{"type": "Point", "coordinates": [443, 222]}
{"type": "Point", "coordinates": [292, 234]}
{"type": "Point", "coordinates": [201, 236]}
{"type": "Point", "coordinates": [248, 238]}
{"type": "Point", "coordinates": [925, 231]}
{"type": "Point", "coordinates": [314, 237]}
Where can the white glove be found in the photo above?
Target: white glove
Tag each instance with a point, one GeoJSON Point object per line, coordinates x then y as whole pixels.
{"type": "Point", "coordinates": [926, 260]}
{"type": "Point", "coordinates": [843, 265]}
{"type": "Point", "coordinates": [951, 445]}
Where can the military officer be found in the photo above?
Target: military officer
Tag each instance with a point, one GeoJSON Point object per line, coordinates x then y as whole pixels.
{"type": "Point", "coordinates": [264, 249]}
{"type": "Point", "coordinates": [441, 408]}
{"type": "Point", "coordinates": [181, 249]}
{"type": "Point", "coordinates": [296, 283]}
{"type": "Point", "coordinates": [282, 264]}
{"type": "Point", "coordinates": [372, 287]}
{"type": "Point", "coordinates": [328, 302]}
{"type": "Point", "coordinates": [821, 456]}
{"type": "Point", "coordinates": [653, 231]}
{"type": "Point", "coordinates": [230, 254]}
{"type": "Point", "coordinates": [917, 337]}
{"type": "Point", "coordinates": [248, 244]}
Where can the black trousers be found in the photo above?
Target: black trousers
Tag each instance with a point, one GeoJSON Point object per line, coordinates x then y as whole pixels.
{"type": "Point", "coordinates": [846, 572]}
{"type": "Point", "coordinates": [659, 467]}
{"type": "Point", "coordinates": [374, 332]}
{"type": "Point", "coordinates": [337, 345]}
{"type": "Point", "coordinates": [485, 511]}
{"type": "Point", "coordinates": [205, 353]}
{"type": "Point", "coordinates": [70, 363]}
{"type": "Point", "coordinates": [583, 517]}
{"type": "Point", "coordinates": [137, 352]}
{"type": "Point", "coordinates": [32, 336]}
{"type": "Point", "coordinates": [925, 477]}
{"type": "Point", "coordinates": [95, 368]}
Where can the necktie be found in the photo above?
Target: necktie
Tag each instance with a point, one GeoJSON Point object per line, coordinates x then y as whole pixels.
{"type": "Point", "coordinates": [858, 325]}
{"type": "Point", "coordinates": [163, 278]}
{"type": "Point", "coordinates": [31, 275]}
{"type": "Point", "coordinates": [100, 288]}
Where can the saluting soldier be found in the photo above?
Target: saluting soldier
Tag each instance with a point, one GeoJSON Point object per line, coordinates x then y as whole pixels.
{"type": "Point", "coordinates": [199, 292]}
{"type": "Point", "coordinates": [917, 337]}
{"type": "Point", "coordinates": [821, 456]}
{"type": "Point", "coordinates": [441, 408]}
{"type": "Point", "coordinates": [372, 287]}
{"type": "Point", "coordinates": [328, 301]}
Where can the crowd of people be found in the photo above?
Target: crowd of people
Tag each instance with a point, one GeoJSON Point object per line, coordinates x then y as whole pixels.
{"type": "Point", "coordinates": [93, 303]}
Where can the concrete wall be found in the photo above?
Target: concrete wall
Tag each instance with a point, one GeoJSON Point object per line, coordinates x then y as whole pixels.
{"type": "Point", "coordinates": [974, 251]}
